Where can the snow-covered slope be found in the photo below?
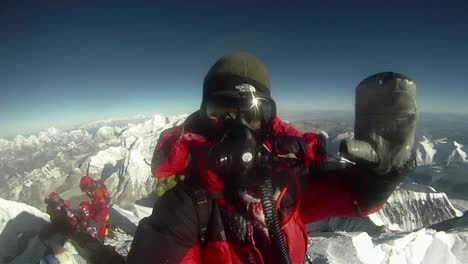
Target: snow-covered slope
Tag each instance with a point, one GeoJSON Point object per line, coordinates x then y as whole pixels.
{"type": "Point", "coordinates": [17, 218]}
{"type": "Point", "coordinates": [409, 210]}
{"type": "Point", "coordinates": [127, 219]}
{"type": "Point", "coordinates": [405, 210]}
{"type": "Point", "coordinates": [423, 246]}
{"type": "Point", "coordinates": [20, 244]}
{"type": "Point", "coordinates": [127, 222]}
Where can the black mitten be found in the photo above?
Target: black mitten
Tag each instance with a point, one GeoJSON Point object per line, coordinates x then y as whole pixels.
{"type": "Point", "coordinates": [383, 144]}
{"type": "Point", "coordinates": [385, 123]}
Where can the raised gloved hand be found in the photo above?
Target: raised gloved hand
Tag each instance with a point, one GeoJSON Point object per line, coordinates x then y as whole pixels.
{"type": "Point", "coordinates": [385, 124]}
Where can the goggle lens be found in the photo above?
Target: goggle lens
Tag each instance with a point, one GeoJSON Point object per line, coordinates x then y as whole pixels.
{"type": "Point", "coordinates": [255, 110]}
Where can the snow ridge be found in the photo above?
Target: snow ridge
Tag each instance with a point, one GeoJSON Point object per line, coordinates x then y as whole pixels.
{"type": "Point", "coordinates": [405, 210]}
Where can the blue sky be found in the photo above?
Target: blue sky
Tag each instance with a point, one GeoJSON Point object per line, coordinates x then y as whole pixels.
{"type": "Point", "coordinates": [66, 62]}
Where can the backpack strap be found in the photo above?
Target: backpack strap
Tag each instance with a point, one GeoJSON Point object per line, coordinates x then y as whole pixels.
{"type": "Point", "coordinates": [203, 212]}
{"type": "Point", "coordinates": [202, 203]}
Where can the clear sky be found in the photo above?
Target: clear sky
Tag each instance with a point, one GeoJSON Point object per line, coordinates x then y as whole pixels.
{"type": "Point", "coordinates": [65, 62]}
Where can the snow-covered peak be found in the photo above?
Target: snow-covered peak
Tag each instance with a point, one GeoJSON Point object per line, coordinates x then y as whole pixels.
{"type": "Point", "coordinates": [107, 157]}
{"type": "Point", "coordinates": [399, 212]}
{"type": "Point", "coordinates": [47, 137]}
{"type": "Point", "coordinates": [52, 134]}
{"type": "Point", "coordinates": [159, 121]}
{"type": "Point", "coordinates": [4, 144]}
{"type": "Point", "coordinates": [156, 124]}
{"type": "Point", "coordinates": [19, 141]}
{"type": "Point", "coordinates": [79, 134]}
{"type": "Point", "coordinates": [457, 154]}
{"type": "Point", "coordinates": [405, 210]}
{"type": "Point", "coordinates": [105, 133]}
{"type": "Point", "coordinates": [423, 246]}
{"type": "Point", "coordinates": [52, 131]}
{"type": "Point", "coordinates": [426, 155]}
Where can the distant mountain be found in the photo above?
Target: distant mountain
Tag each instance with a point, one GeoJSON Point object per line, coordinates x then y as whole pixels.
{"type": "Point", "coordinates": [458, 154]}
{"type": "Point", "coordinates": [422, 246]}
{"type": "Point", "coordinates": [409, 208]}
{"type": "Point", "coordinates": [54, 160]}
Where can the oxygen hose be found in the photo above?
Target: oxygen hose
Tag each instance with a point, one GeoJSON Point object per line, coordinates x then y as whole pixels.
{"type": "Point", "coordinates": [272, 221]}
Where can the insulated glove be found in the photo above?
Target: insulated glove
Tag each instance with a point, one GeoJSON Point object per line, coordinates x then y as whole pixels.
{"type": "Point", "coordinates": [385, 124]}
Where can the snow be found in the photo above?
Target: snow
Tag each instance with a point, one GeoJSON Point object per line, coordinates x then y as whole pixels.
{"type": "Point", "coordinates": [128, 220]}
{"type": "Point", "coordinates": [121, 241]}
{"type": "Point", "coordinates": [20, 142]}
{"type": "Point", "coordinates": [79, 133]}
{"type": "Point", "coordinates": [429, 149]}
{"type": "Point", "coordinates": [457, 154]}
{"type": "Point", "coordinates": [104, 157]}
{"type": "Point", "coordinates": [54, 160]}
{"type": "Point", "coordinates": [105, 133]}
{"type": "Point", "coordinates": [127, 214]}
{"type": "Point", "coordinates": [424, 246]}
{"type": "Point", "coordinates": [365, 249]}
{"type": "Point", "coordinates": [4, 144]}
{"type": "Point", "coordinates": [405, 210]}
{"type": "Point", "coordinates": [16, 218]}
{"type": "Point", "coordinates": [140, 211]}
{"type": "Point", "coordinates": [412, 210]}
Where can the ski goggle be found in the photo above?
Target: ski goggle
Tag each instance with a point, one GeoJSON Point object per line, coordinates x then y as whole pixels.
{"type": "Point", "coordinates": [256, 111]}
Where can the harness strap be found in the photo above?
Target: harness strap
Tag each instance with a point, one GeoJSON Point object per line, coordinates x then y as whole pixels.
{"type": "Point", "coordinates": [202, 209]}
{"type": "Point", "coordinates": [202, 205]}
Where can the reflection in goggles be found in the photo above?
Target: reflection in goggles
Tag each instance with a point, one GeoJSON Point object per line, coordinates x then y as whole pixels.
{"type": "Point", "coordinates": [255, 110]}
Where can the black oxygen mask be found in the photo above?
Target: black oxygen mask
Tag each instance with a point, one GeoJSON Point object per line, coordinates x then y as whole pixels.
{"type": "Point", "coordinates": [236, 154]}
{"type": "Point", "coordinates": [241, 123]}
